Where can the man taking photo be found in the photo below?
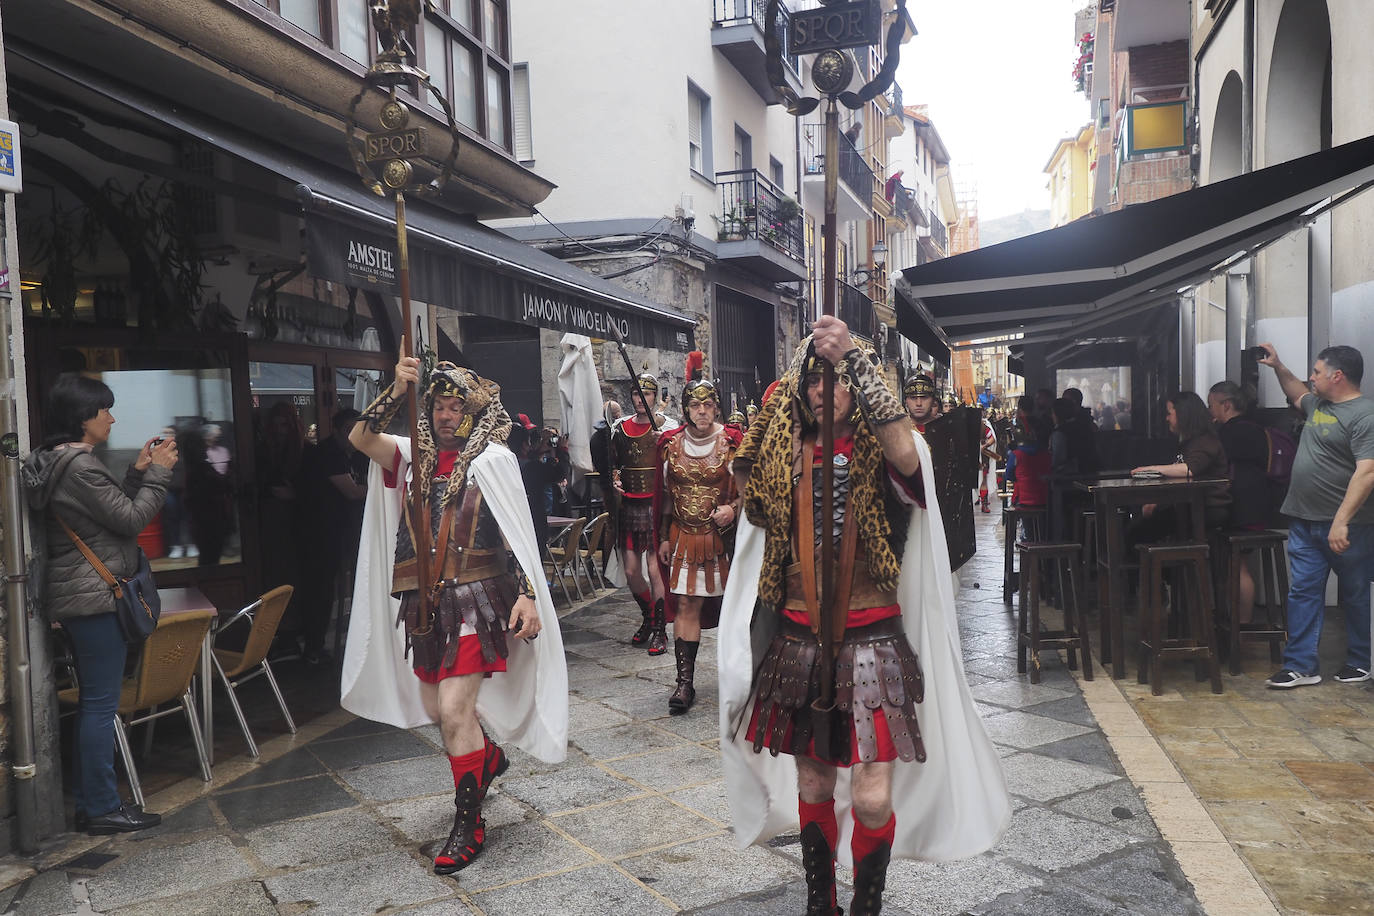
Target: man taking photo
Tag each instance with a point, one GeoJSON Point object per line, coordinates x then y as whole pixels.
{"type": "Point", "coordinates": [1332, 527]}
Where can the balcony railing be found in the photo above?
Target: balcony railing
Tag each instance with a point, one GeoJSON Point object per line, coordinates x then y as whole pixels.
{"type": "Point", "coordinates": [856, 310]}
{"type": "Point", "coordinates": [746, 12]}
{"type": "Point", "coordinates": [938, 234]}
{"type": "Point", "coordinates": [894, 98]}
{"type": "Point", "coordinates": [753, 207]}
{"type": "Point", "coordinates": [854, 169]}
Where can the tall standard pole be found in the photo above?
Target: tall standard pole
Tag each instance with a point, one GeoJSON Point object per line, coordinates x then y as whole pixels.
{"type": "Point", "coordinates": [829, 289]}
{"type": "Point", "coordinates": [418, 508]}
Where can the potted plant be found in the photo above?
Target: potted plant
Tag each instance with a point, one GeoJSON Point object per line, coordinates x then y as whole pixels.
{"type": "Point", "coordinates": [788, 210]}
{"type": "Point", "coordinates": [731, 227]}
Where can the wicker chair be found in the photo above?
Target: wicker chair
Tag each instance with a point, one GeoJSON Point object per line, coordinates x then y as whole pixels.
{"type": "Point", "coordinates": [171, 657]}
{"type": "Point", "coordinates": [564, 550]}
{"type": "Point", "coordinates": [237, 667]}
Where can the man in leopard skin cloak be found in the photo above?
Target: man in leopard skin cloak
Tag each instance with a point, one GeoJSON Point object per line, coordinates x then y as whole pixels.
{"type": "Point", "coordinates": [901, 764]}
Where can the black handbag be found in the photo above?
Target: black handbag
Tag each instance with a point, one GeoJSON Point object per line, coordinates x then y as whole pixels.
{"type": "Point", "coordinates": [137, 605]}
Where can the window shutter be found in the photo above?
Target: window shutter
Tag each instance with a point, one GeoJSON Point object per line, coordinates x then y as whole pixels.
{"type": "Point", "coordinates": [520, 94]}
{"type": "Point", "coordinates": [694, 119]}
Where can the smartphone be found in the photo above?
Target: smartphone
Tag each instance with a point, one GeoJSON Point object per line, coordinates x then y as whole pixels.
{"type": "Point", "coordinates": [1258, 352]}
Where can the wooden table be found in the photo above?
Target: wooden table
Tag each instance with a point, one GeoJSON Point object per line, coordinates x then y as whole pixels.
{"type": "Point", "coordinates": [1108, 496]}
{"type": "Point", "coordinates": [181, 601]}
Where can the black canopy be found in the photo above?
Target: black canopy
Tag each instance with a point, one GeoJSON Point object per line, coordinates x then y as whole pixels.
{"type": "Point", "coordinates": [1075, 277]}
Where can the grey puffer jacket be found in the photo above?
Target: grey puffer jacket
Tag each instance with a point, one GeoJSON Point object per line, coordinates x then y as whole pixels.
{"type": "Point", "coordinates": [74, 485]}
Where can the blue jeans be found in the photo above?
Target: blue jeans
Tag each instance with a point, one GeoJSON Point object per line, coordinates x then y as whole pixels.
{"type": "Point", "coordinates": [1311, 561]}
{"type": "Point", "coordinates": [98, 644]}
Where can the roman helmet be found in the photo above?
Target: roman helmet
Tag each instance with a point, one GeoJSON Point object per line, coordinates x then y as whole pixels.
{"type": "Point", "coordinates": [918, 385]}
{"type": "Point", "coordinates": [698, 387]}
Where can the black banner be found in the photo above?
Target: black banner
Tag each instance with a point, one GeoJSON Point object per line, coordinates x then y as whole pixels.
{"type": "Point", "coordinates": [367, 259]}
{"type": "Point", "coordinates": [354, 257]}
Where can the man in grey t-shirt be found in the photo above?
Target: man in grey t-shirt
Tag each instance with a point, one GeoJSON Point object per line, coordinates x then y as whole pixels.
{"type": "Point", "coordinates": [1332, 520]}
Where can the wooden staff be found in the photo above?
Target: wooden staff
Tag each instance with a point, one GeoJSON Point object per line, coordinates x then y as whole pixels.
{"type": "Point", "coordinates": [418, 508]}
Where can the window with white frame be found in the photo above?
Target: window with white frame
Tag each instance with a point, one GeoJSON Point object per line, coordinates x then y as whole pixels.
{"type": "Point", "coordinates": [698, 131]}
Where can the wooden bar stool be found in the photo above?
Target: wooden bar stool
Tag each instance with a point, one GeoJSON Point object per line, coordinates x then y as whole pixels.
{"type": "Point", "coordinates": [1085, 533]}
{"type": "Point", "coordinates": [1198, 639]}
{"type": "Point", "coordinates": [1063, 558]}
{"type": "Point", "coordinates": [1273, 579]}
{"type": "Point", "coordinates": [1032, 520]}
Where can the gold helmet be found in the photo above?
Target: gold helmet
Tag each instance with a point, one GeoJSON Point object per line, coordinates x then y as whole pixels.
{"type": "Point", "coordinates": [698, 387]}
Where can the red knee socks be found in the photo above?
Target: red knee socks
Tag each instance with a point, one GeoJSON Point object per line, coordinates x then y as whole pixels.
{"type": "Point", "coordinates": [468, 763]}
{"type": "Point", "coordinates": [866, 839]}
{"type": "Point", "coordinates": [823, 816]}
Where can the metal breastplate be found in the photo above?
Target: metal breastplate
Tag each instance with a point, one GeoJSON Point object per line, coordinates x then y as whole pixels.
{"type": "Point", "coordinates": [841, 500]}
{"type": "Point", "coordinates": [696, 484]}
{"type": "Point", "coordinates": [634, 457]}
{"type": "Point", "coordinates": [475, 548]}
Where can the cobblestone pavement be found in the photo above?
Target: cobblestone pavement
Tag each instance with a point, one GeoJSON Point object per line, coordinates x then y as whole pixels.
{"type": "Point", "coordinates": [337, 819]}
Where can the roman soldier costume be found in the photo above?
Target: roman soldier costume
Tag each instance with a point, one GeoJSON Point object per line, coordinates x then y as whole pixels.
{"type": "Point", "coordinates": [955, 440]}
{"type": "Point", "coordinates": [483, 542]}
{"type": "Point", "coordinates": [634, 466]}
{"type": "Point", "coordinates": [896, 646]}
{"type": "Point", "coordinates": [694, 480]}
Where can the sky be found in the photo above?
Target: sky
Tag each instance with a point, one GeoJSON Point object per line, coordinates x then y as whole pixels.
{"type": "Point", "coordinates": [995, 74]}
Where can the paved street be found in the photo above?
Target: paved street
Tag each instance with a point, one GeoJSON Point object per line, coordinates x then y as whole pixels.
{"type": "Point", "coordinates": [339, 818]}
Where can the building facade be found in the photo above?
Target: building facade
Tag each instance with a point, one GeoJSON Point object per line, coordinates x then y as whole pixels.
{"type": "Point", "coordinates": [1071, 168]}
{"type": "Point", "coordinates": [716, 200]}
{"type": "Point", "coordinates": [1277, 80]}
{"type": "Point", "coordinates": [193, 232]}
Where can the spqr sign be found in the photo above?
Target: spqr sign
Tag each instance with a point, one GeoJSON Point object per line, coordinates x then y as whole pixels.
{"type": "Point", "coordinates": [844, 25]}
{"type": "Point", "coordinates": [395, 144]}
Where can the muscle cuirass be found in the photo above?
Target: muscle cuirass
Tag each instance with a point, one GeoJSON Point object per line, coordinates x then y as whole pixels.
{"type": "Point", "coordinates": [696, 485]}
{"type": "Point", "coordinates": [473, 548]}
{"type": "Point", "coordinates": [634, 458]}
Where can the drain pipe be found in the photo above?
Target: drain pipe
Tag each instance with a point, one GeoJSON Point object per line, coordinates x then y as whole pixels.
{"type": "Point", "coordinates": [16, 606]}
{"type": "Point", "coordinates": [23, 767]}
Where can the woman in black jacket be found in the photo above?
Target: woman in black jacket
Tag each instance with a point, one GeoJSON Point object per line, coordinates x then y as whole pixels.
{"type": "Point", "coordinates": [66, 481]}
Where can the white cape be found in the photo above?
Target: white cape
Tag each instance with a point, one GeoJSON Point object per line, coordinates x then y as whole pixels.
{"type": "Point", "coordinates": [528, 704]}
{"type": "Point", "coordinates": [953, 805]}
{"type": "Point", "coordinates": [579, 394]}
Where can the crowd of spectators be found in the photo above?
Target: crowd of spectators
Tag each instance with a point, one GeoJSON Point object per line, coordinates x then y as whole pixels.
{"type": "Point", "coordinates": [1318, 486]}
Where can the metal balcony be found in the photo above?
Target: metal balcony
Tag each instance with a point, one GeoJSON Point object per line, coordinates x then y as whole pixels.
{"type": "Point", "coordinates": [858, 184]}
{"type": "Point", "coordinates": [856, 310]}
{"type": "Point", "coordinates": [737, 33]}
{"type": "Point", "coordinates": [938, 236]}
{"type": "Point", "coordinates": [894, 122]}
{"type": "Point", "coordinates": [756, 232]}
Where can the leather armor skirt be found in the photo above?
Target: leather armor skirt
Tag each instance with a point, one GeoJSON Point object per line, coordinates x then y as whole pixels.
{"type": "Point", "coordinates": [877, 686]}
{"type": "Point", "coordinates": [484, 606]}
{"type": "Point", "coordinates": [637, 524]}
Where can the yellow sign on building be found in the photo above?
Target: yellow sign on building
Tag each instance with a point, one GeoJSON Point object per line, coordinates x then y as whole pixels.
{"type": "Point", "coordinates": [1156, 128]}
